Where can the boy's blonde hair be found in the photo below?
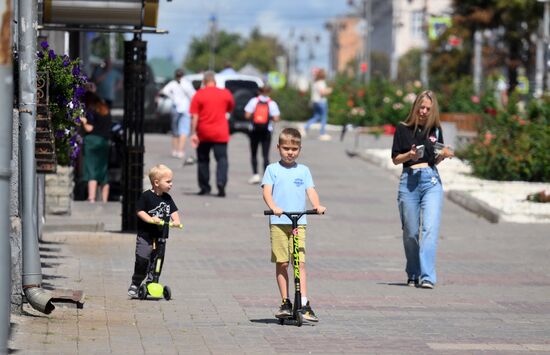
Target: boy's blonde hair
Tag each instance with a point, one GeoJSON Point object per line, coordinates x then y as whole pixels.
{"type": "Point", "coordinates": [157, 172]}
{"type": "Point", "coordinates": [290, 135]}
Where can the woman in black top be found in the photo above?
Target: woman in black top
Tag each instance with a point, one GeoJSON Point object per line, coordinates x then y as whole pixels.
{"type": "Point", "coordinates": [418, 145]}
{"type": "Point", "coordinates": [97, 125]}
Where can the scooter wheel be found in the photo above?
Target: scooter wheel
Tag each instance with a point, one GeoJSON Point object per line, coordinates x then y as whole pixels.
{"type": "Point", "coordinates": [142, 292]}
{"type": "Point", "coordinates": [281, 321]}
{"type": "Point", "coordinates": [299, 319]}
{"type": "Point", "coordinates": [167, 293]}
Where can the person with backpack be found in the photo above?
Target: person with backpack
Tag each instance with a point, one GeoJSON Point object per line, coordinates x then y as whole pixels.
{"type": "Point", "coordinates": [262, 111]}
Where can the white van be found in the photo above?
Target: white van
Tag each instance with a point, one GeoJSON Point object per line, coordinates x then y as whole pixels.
{"type": "Point", "coordinates": [243, 88]}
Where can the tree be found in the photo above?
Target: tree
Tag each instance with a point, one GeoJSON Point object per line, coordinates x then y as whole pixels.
{"type": "Point", "coordinates": [258, 50]}
{"type": "Point", "coordinates": [261, 51]}
{"type": "Point", "coordinates": [518, 19]}
{"type": "Point", "coordinates": [409, 66]}
{"type": "Point", "coordinates": [228, 47]}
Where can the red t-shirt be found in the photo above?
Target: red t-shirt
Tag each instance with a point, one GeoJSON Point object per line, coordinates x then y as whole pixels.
{"type": "Point", "coordinates": [211, 104]}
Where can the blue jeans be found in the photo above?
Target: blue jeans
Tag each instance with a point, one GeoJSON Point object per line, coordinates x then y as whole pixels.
{"type": "Point", "coordinates": [320, 114]}
{"type": "Point", "coordinates": [420, 201]}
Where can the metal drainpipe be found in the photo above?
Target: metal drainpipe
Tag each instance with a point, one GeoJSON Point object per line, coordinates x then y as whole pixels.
{"type": "Point", "coordinates": [6, 104]}
{"type": "Point", "coordinates": [32, 272]}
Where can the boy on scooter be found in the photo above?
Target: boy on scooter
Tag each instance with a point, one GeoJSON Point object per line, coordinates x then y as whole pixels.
{"type": "Point", "coordinates": [153, 208]}
{"type": "Point", "coordinates": [285, 186]}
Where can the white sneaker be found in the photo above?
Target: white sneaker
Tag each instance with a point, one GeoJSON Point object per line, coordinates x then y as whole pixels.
{"type": "Point", "coordinates": [255, 179]}
{"type": "Point", "coordinates": [325, 137]}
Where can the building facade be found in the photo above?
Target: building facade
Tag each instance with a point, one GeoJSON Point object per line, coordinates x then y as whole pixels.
{"type": "Point", "coordinates": [396, 27]}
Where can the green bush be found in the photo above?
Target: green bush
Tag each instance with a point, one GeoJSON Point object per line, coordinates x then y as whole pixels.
{"type": "Point", "coordinates": [380, 102]}
{"type": "Point", "coordinates": [510, 148]}
{"type": "Point", "coordinates": [294, 105]}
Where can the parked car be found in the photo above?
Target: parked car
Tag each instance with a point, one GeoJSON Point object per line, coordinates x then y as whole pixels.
{"type": "Point", "coordinates": [243, 88]}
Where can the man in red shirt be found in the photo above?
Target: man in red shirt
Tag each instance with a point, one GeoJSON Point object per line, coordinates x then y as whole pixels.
{"type": "Point", "coordinates": [210, 131]}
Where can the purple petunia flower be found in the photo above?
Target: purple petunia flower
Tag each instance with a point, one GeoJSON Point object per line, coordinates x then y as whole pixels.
{"type": "Point", "coordinates": [76, 70]}
{"type": "Point", "coordinates": [51, 54]}
{"type": "Point", "coordinates": [66, 63]}
{"type": "Point", "coordinates": [79, 92]}
{"type": "Point", "coordinates": [44, 44]}
{"type": "Point", "coordinates": [60, 133]}
{"type": "Point", "coordinates": [40, 55]}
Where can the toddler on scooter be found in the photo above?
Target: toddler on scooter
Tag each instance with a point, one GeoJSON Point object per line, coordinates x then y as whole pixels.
{"type": "Point", "coordinates": [153, 207]}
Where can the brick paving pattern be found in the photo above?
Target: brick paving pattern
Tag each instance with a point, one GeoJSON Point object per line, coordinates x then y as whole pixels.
{"type": "Point", "coordinates": [493, 294]}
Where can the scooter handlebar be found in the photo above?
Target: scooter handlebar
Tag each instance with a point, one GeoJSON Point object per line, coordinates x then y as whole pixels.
{"type": "Point", "coordinates": [270, 213]}
{"type": "Point", "coordinates": [170, 224]}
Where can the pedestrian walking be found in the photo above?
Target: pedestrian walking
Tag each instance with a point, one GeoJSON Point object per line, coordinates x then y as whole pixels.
{"type": "Point", "coordinates": [418, 145]}
{"type": "Point", "coordinates": [153, 207]}
{"type": "Point", "coordinates": [210, 131]}
{"type": "Point", "coordinates": [262, 111]}
{"type": "Point", "coordinates": [285, 187]}
{"type": "Point", "coordinates": [108, 81]}
{"type": "Point", "coordinates": [180, 91]}
{"type": "Point", "coordinates": [97, 127]}
{"type": "Point", "coordinates": [319, 93]}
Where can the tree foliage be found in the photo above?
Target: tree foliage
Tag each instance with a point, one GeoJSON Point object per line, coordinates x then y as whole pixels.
{"type": "Point", "coordinates": [516, 20]}
{"type": "Point", "coordinates": [231, 48]}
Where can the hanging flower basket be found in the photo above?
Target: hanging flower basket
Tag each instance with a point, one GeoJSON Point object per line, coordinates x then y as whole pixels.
{"type": "Point", "coordinates": [44, 151]}
{"type": "Point", "coordinates": [60, 109]}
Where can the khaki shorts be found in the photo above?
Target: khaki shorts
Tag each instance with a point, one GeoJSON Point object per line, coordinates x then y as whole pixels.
{"type": "Point", "coordinates": [282, 242]}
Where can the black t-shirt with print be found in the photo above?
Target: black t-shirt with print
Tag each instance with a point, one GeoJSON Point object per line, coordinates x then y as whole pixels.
{"type": "Point", "coordinates": [405, 137]}
{"type": "Point", "coordinates": [155, 206]}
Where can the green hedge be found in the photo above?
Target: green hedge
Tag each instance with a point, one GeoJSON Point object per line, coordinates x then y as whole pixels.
{"type": "Point", "coordinates": [513, 147]}
{"type": "Point", "coordinates": [294, 105]}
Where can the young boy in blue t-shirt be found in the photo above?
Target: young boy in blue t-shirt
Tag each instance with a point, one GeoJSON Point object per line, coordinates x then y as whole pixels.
{"type": "Point", "coordinates": [285, 186]}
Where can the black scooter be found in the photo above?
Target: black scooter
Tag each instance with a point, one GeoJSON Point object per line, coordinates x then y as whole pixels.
{"type": "Point", "coordinates": [151, 286]}
{"type": "Point", "coordinates": [297, 317]}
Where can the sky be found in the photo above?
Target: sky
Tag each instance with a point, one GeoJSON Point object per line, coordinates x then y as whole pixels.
{"type": "Point", "coordinates": [185, 19]}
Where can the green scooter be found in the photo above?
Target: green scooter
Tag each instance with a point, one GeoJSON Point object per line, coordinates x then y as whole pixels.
{"type": "Point", "coordinates": [151, 286]}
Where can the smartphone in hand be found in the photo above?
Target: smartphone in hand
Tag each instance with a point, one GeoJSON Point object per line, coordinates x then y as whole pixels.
{"type": "Point", "coordinates": [420, 151]}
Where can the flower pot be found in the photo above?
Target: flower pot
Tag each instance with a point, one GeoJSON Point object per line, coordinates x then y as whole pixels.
{"type": "Point", "coordinates": [59, 191]}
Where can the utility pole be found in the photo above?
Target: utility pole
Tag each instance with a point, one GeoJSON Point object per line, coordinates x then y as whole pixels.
{"type": "Point", "coordinates": [365, 11]}
{"type": "Point", "coordinates": [424, 58]}
{"type": "Point", "coordinates": [478, 42]}
{"type": "Point", "coordinates": [213, 41]}
{"type": "Point", "coordinates": [546, 36]}
{"type": "Point", "coordinates": [539, 64]}
{"type": "Point", "coordinates": [368, 32]}
{"type": "Point", "coordinates": [6, 114]}
{"type": "Point", "coordinates": [396, 23]}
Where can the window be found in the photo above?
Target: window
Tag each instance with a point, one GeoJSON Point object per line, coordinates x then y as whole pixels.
{"type": "Point", "coordinates": [417, 22]}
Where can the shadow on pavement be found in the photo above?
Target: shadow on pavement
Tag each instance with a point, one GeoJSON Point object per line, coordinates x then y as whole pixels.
{"type": "Point", "coordinates": [265, 321]}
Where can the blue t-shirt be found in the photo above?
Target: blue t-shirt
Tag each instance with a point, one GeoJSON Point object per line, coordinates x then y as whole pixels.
{"type": "Point", "coordinates": [289, 189]}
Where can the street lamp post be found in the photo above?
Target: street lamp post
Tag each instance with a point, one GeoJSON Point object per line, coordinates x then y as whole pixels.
{"type": "Point", "coordinates": [546, 39]}
{"type": "Point", "coordinates": [365, 11]}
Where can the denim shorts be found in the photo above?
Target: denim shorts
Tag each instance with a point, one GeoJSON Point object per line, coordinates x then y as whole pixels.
{"type": "Point", "coordinates": [181, 123]}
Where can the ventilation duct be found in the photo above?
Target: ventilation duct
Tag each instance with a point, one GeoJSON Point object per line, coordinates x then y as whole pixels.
{"type": "Point", "coordinates": [139, 13]}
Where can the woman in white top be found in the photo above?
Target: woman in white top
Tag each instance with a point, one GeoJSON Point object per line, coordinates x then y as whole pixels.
{"type": "Point", "coordinates": [319, 94]}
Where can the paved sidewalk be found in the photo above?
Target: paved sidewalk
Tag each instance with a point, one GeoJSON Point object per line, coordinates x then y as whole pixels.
{"type": "Point", "coordinates": [492, 295]}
